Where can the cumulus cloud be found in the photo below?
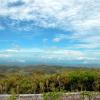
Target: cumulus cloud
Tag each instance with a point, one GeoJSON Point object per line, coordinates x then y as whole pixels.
{"type": "Point", "coordinates": [81, 17]}
{"type": "Point", "coordinates": [77, 15]}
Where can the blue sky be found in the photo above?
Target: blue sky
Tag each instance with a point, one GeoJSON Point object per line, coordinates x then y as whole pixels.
{"type": "Point", "coordinates": [62, 32]}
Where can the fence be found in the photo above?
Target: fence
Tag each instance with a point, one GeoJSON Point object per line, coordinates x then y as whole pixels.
{"type": "Point", "coordinates": [65, 96]}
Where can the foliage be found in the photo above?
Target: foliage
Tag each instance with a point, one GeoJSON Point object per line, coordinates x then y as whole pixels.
{"type": "Point", "coordinates": [13, 95]}
{"type": "Point", "coordinates": [29, 80]}
{"type": "Point", "coordinates": [52, 95]}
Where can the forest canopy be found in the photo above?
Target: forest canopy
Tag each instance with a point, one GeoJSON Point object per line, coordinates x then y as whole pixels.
{"type": "Point", "coordinates": [44, 78]}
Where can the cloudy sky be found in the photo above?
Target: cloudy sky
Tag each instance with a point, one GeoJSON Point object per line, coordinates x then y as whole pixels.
{"type": "Point", "coordinates": [65, 32]}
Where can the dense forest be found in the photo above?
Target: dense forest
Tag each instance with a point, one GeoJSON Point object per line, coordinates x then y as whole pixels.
{"type": "Point", "coordinates": [44, 78]}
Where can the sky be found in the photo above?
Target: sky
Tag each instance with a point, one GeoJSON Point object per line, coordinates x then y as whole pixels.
{"type": "Point", "coordinates": [61, 32]}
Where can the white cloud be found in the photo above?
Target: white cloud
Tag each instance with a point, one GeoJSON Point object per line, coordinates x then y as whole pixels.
{"type": "Point", "coordinates": [85, 46]}
{"type": "Point", "coordinates": [53, 54]}
{"type": "Point", "coordinates": [56, 39]}
{"type": "Point", "coordinates": [77, 15]}
{"type": "Point", "coordinates": [12, 50]}
{"type": "Point", "coordinates": [5, 55]}
{"type": "Point", "coordinates": [82, 40]}
{"type": "Point", "coordinates": [82, 17]}
{"type": "Point", "coordinates": [50, 56]}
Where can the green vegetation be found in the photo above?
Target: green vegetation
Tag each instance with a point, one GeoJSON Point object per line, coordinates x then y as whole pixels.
{"type": "Point", "coordinates": [12, 96]}
{"type": "Point", "coordinates": [51, 95]}
{"type": "Point", "coordinates": [47, 79]}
